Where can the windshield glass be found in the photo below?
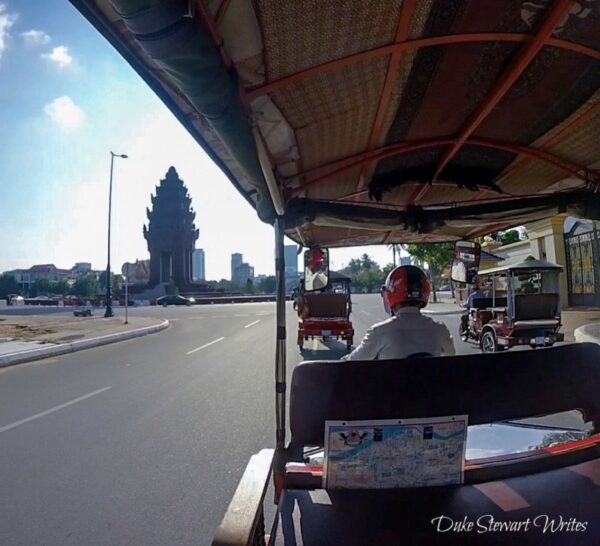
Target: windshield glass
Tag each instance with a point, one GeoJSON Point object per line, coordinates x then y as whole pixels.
{"type": "Point", "coordinates": [535, 282]}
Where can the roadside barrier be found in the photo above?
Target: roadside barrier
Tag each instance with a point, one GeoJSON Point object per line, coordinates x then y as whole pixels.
{"type": "Point", "coordinates": [235, 299]}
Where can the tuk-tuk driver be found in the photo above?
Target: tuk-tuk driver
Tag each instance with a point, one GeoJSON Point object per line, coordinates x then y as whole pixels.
{"type": "Point", "coordinates": [476, 294]}
{"type": "Point", "coordinates": [407, 332]}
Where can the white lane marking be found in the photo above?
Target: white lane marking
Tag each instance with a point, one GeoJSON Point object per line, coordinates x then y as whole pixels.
{"type": "Point", "coordinates": [173, 319]}
{"type": "Point", "coordinates": [197, 318]}
{"type": "Point", "coordinates": [252, 324]}
{"type": "Point", "coordinates": [366, 313]}
{"type": "Point", "coordinates": [52, 410]}
{"type": "Point", "coordinates": [241, 315]}
{"type": "Point", "coordinates": [205, 345]}
{"type": "Point", "coordinates": [315, 344]}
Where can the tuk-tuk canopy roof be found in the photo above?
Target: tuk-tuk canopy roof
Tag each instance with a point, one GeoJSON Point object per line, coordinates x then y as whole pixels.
{"type": "Point", "coordinates": [531, 265]}
{"type": "Point", "coordinates": [380, 121]}
{"type": "Point", "coordinates": [336, 276]}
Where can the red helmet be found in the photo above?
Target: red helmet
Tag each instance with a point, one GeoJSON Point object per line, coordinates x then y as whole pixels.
{"type": "Point", "coordinates": [316, 259]}
{"type": "Point", "coordinates": [405, 285]}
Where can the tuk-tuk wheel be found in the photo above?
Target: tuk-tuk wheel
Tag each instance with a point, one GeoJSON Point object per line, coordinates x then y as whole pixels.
{"type": "Point", "coordinates": [489, 343]}
{"type": "Point", "coordinates": [349, 344]}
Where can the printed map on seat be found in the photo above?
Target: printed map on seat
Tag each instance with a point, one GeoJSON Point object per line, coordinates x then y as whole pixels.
{"type": "Point", "coordinates": [391, 453]}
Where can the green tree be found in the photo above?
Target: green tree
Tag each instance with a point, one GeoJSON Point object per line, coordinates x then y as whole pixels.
{"type": "Point", "coordinates": [509, 237]}
{"type": "Point", "coordinates": [172, 289]}
{"type": "Point", "coordinates": [86, 286]}
{"type": "Point", "coordinates": [41, 286]}
{"type": "Point", "coordinates": [365, 273]}
{"type": "Point", "coordinates": [267, 285]}
{"type": "Point", "coordinates": [438, 256]}
{"type": "Point", "coordinates": [386, 270]}
{"type": "Point", "coordinates": [61, 287]}
{"type": "Point", "coordinates": [223, 284]}
{"type": "Point", "coordinates": [8, 285]}
{"type": "Point", "coordinates": [116, 287]}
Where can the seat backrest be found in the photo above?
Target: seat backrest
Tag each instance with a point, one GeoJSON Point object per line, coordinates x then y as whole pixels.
{"type": "Point", "coordinates": [488, 388]}
{"type": "Point", "coordinates": [482, 303]}
{"type": "Point", "coordinates": [326, 305]}
{"type": "Point", "coordinates": [536, 306]}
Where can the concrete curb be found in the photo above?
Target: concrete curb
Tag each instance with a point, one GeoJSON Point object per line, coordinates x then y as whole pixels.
{"type": "Point", "coordinates": [589, 333]}
{"type": "Point", "coordinates": [63, 348]}
{"type": "Point", "coordinates": [442, 312]}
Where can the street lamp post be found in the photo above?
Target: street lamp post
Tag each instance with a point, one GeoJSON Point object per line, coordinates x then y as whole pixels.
{"type": "Point", "coordinates": [126, 293]}
{"type": "Point", "coordinates": [109, 311]}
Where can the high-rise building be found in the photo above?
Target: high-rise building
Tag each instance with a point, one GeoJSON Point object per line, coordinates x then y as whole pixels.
{"type": "Point", "coordinates": [242, 274]}
{"type": "Point", "coordinates": [236, 260]}
{"type": "Point", "coordinates": [290, 253]}
{"type": "Point", "coordinates": [198, 271]}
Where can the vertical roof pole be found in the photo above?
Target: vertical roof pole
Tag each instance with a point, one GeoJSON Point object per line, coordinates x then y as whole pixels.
{"type": "Point", "coordinates": [280, 371]}
{"type": "Point", "coordinates": [267, 169]}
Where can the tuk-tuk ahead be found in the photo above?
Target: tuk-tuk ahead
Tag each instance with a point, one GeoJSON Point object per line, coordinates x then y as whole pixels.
{"type": "Point", "coordinates": [519, 305]}
{"type": "Point", "coordinates": [323, 307]}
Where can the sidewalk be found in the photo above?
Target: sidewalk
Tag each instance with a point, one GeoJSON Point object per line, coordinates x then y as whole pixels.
{"type": "Point", "coordinates": [572, 319]}
{"type": "Point", "coordinates": [30, 337]}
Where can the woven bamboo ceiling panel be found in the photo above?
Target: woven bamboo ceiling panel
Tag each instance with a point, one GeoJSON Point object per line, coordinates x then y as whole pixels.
{"type": "Point", "coordinates": [458, 115]}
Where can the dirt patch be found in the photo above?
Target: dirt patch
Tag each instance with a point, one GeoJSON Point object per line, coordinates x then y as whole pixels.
{"type": "Point", "coordinates": [25, 332]}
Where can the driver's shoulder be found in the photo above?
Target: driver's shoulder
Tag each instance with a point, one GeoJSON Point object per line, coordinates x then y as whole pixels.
{"type": "Point", "coordinates": [384, 324]}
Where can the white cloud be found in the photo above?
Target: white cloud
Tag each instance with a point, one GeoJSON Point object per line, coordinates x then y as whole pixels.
{"type": "Point", "coordinates": [6, 21]}
{"type": "Point", "coordinates": [35, 37]}
{"type": "Point", "coordinates": [60, 56]}
{"type": "Point", "coordinates": [65, 112]}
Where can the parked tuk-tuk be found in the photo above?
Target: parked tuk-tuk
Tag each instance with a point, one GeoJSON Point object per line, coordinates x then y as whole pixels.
{"type": "Point", "coordinates": [385, 122]}
{"type": "Point", "coordinates": [519, 305]}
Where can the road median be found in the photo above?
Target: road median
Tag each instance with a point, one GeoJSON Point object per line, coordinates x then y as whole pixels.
{"type": "Point", "coordinates": [116, 330]}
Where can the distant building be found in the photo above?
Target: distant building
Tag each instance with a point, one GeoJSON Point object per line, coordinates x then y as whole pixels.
{"type": "Point", "coordinates": [82, 268]}
{"type": "Point", "coordinates": [27, 277]}
{"type": "Point", "coordinates": [405, 260]}
{"type": "Point", "coordinates": [242, 274]}
{"type": "Point", "coordinates": [198, 270]}
{"type": "Point", "coordinates": [137, 272]}
{"type": "Point", "coordinates": [236, 260]}
{"type": "Point", "coordinates": [290, 254]}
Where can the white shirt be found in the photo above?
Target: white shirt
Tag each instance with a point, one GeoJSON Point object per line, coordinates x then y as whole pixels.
{"type": "Point", "coordinates": [406, 333]}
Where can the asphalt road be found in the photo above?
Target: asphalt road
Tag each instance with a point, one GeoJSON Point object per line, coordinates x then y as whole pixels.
{"type": "Point", "coordinates": [144, 441]}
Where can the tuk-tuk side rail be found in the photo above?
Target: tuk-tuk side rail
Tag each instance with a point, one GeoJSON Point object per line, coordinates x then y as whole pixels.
{"type": "Point", "coordinates": [522, 324]}
{"type": "Point", "coordinates": [243, 524]}
{"type": "Point", "coordinates": [499, 467]}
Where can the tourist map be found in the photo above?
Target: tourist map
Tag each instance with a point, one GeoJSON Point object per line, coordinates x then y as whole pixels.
{"type": "Point", "coordinates": [394, 452]}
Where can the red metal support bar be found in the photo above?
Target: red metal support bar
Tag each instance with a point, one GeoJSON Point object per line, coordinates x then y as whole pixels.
{"type": "Point", "coordinates": [214, 33]}
{"type": "Point", "coordinates": [408, 45]}
{"type": "Point", "coordinates": [221, 12]}
{"type": "Point", "coordinates": [510, 76]}
{"type": "Point", "coordinates": [406, 13]}
{"type": "Point", "coordinates": [366, 158]}
{"type": "Point", "coordinates": [408, 9]}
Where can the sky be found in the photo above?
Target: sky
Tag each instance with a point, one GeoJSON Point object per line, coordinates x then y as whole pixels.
{"type": "Point", "coordinates": [67, 99]}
